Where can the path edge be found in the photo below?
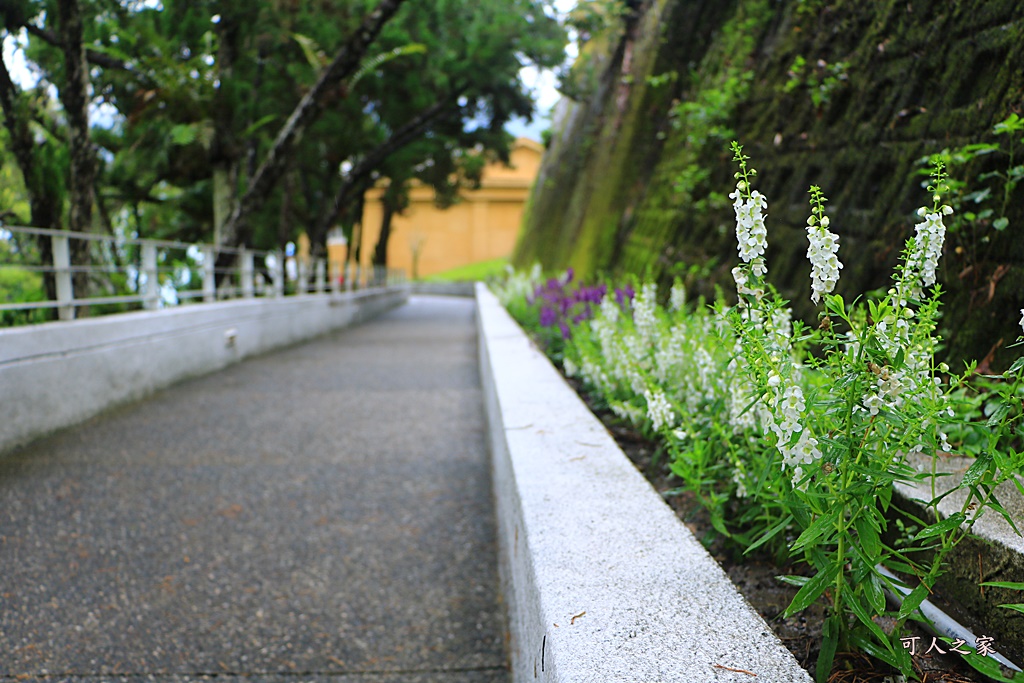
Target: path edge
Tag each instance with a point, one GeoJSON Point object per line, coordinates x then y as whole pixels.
{"type": "Point", "coordinates": [55, 375]}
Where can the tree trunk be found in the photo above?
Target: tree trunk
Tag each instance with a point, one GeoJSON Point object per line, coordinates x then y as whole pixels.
{"type": "Point", "coordinates": [223, 197]}
{"type": "Point", "coordinates": [284, 219]}
{"type": "Point", "coordinates": [356, 217]}
{"type": "Point", "coordinates": [236, 229]}
{"type": "Point", "coordinates": [44, 206]}
{"type": "Point", "coordinates": [380, 252]}
{"type": "Point", "coordinates": [224, 155]}
{"type": "Point", "coordinates": [75, 98]}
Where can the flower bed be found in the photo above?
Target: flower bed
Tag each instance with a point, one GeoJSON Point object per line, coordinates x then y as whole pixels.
{"type": "Point", "coordinates": [602, 581]}
{"type": "Point", "coordinates": [807, 430]}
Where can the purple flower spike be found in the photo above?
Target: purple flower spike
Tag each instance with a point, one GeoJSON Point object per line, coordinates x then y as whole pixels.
{"type": "Point", "coordinates": [566, 332]}
{"type": "Point", "coordinates": [548, 317]}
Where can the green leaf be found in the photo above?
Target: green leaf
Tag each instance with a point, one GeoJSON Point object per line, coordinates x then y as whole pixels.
{"type": "Point", "coordinates": [1001, 411]}
{"type": "Point", "coordinates": [1001, 223]}
{"type": "Point", "coordinates": [868, 536]}
{"type": "Point", "coordinates": [873, 591]}
{"type": "Point", "coordinates": [827, 653]}
{"type": "Point", "coordinates": [913, 601]}
{"type": "Point", "coordinates": [977, 469]}
{"type": "Point", "coordinates": [793, 580]}
{"type": "Point", "coordinates": [377, 60]}
{"type": "Point", "coordinates": [770, 534]}
{"type": "Point", "coordinates": [719, 524]}
{"type": "Point", "coordinates": [314, 55]}
{"type": "Point", "coordinates": [989, 667]}
{"type": "Point", "coordinates": [862, 615]}
{"type": "Point", "coordinates": [872, 648]}
{"type": "Point", "coordinates": [994, 503]}
{"type": "Point", "coordinates": [1016, 606]}
{"type": "Point", "coordinates": [183, 134]}
{"type": "Point", "coordinates": [885, 497]}
{"type": "Point", "coordinates": [258, 124]}
{"type": "Point", "coordinates": [948, 524]}
{"type": "Point", "coordinates": [817, 529]}
{"type": "Point", "coordinates": [1012, 585]}
{"type": "Point", "coordinates": [812, 590]}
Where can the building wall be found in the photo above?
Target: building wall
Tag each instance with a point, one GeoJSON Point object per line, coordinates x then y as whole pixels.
{"type": "Point", "coordinates": [484, 225]}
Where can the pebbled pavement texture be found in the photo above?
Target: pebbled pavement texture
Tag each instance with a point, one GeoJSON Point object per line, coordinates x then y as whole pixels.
{"type": "Point", "coordinates": [322, 513]}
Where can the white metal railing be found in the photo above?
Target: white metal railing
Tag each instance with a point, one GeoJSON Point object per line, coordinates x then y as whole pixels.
{"type": "Point", "coordinates": [127, 272]}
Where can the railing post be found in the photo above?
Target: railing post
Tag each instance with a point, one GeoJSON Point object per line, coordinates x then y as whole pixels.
{"type": "Point", "coordinates": [349, 276]}
{"type": "Point", "coordinates": [277, 272]}
{"type": "Point", "coordinates": [209, 273]}
{"type": "Point", "coordinates": [247, 272]}
{"type": "Point", "coordinates": [151, 290]}
{"type": "Point", "coordinates": [321, 275]}
{"type": "Point", "coordinates": [62, 277]}
{"type": "Point", "coordinates": [336, 276]}
{"type": "Point", "coordinates": [302, 271]}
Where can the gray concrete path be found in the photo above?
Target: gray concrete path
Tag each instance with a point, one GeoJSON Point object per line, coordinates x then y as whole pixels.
{"type": "Point", "coordinates": [319, 514]}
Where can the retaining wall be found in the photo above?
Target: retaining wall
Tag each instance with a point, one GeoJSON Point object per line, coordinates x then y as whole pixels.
{"type": "Point", "coordinates": [58, 374]}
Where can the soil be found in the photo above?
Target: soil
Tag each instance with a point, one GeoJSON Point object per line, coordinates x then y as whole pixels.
{"type": "Point", "coordinates": [756, 577]}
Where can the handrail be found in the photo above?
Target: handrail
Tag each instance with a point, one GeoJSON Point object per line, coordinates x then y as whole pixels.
{"type": "Point", "coordinates": [171, 244]}
{"type": "Point", "coordinates": [155, 277]}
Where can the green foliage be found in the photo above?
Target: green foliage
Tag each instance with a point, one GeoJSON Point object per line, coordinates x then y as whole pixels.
{"type": "Point", "coordinates": [597, 18]}
{"type": "Point", "coordinates": [474, 272]}
{"type": "Point", "coordinates": [794, 437]}
{"type": "Point", "coordinates": [17, 284]}
{"type": "Point", "coordinates": [821, 80]}
{"type": "Point", "coordinates": [983, 206]}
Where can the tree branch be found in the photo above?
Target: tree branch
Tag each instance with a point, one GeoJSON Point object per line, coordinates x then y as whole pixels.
{"type": "Point", "coordinates": [345, 62]}
{"type": "Point", "coordinates": [93, 56]}
{"type": "Point", "coordinates": [402, 136]}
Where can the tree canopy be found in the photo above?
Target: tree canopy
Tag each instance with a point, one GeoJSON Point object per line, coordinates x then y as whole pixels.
{"type": "Point", "coordinates": [247, 122]}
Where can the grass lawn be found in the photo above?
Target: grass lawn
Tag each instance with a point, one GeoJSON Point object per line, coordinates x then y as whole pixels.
{"type": "Point", "coordinates": [471, 272]}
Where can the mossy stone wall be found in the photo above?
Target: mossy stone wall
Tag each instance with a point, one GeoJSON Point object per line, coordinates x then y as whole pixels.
{"type": "Point", "coordinates": [637, 171]}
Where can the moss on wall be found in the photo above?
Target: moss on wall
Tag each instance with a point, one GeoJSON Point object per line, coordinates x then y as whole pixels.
{"type": "Point", "coordinates": [846, 95]}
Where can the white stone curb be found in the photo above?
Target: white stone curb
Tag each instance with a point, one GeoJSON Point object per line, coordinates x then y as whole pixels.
{"type": "Point", "coordinates": [602, 581]}
{"type": "Point", "coordinates": [58, 374]}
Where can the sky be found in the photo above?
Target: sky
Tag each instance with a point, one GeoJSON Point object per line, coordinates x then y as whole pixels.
{"type": "Point", "coordinates": [542, 82]}
{"type": "Point", "coordinates": [543, 85]}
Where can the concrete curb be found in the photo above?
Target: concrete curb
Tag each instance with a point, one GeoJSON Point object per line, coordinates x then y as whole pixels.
{"type": "Point", "coordinates": [58, 374]}
{"type": "Point", "coordinates": [994, 552]}
{"type": "Point", "coordinates": [601, 580]}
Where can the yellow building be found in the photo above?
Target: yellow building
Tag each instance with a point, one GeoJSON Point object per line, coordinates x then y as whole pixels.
{"type": "Point", "coordinates": [482, 226]}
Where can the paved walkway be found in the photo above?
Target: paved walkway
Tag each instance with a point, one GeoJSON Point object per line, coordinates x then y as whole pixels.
{"type": "Point", "coordinates": [318, 514]}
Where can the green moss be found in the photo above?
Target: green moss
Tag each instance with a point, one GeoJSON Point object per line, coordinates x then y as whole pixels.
{"type": "Point", "coordinates": [636, 182]}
